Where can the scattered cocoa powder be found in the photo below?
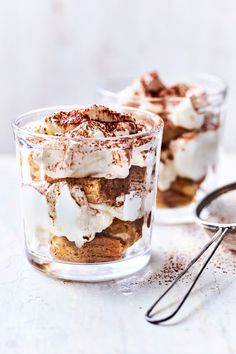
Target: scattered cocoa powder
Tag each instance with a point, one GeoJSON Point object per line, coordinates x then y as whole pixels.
{"type": "Point", "coordinates": [223, 262]}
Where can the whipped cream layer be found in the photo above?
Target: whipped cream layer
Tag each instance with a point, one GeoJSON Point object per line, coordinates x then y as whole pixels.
{"type": "Point", "coordinates": [79, 160]}
{"type": "Point", "coordinates": [92, 122]}
{"type": "Point", "coordinates": [189, 156]}
{"type": "Point", "coordinates": [68, 151]}
{"type": "Point", "coordinates": [149, 93]}
{"type": "Point", "coordinates": [65, 211]}
{"type": "Point", "coordinates": [180, 112]}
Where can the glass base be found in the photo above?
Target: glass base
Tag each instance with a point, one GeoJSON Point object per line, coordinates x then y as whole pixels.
{"type": "Point", "coordinates": [90, 272]}
{"type": "Point", "coordinates": [184, 215]}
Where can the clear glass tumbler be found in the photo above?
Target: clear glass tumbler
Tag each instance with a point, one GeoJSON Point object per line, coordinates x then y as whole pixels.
{"type": "Point", "coordinates": [87, 203]}
{"type": "Point", "coordinates": [191, 139]}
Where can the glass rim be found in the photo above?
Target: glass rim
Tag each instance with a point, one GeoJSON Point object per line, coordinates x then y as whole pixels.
{"type": "Point", "coordinates": [154, 117]}
{"type": "Point", "coordinates": [213, 78]}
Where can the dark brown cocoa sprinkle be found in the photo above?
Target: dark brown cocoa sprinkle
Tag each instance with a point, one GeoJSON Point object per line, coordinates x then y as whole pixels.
{"type": "Point", "coordinates": [86, 238]}
{"type": "Point", "coordinates": [178, 90]}
{"type": "Point", "coordinates": [73, 118]}
{"type": "Point", "coordinates": [151, 86]}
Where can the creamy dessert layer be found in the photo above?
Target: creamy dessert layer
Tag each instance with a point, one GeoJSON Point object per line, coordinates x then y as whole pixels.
{"type": "Point", "coordinates": [191, 134]}
{"type": "Point", "coordinates": [90, 175]}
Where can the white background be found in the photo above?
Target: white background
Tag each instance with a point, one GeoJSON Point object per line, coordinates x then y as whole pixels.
{"type": "Point", "coordinates": [53, 52]}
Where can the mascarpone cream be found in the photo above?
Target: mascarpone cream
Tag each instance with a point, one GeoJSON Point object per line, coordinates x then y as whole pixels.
{"type": "Point", "coordinates": [68, 154]}
{"type": "Point", "coordinates": [65, 210]}
{"type": "Point", "coordinates": [191, 158]}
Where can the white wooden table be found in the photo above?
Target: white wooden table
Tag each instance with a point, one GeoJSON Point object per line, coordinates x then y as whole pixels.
{"type": "Point", "coordinates": [40, 315]}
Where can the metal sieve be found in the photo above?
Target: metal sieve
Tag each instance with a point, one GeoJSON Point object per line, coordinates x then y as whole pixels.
{"type": "Point", "coordinates": [217, 214]}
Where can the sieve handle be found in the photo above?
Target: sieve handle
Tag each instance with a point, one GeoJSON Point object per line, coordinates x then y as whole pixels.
{"type": "Point", "coordinates": [150, 314]}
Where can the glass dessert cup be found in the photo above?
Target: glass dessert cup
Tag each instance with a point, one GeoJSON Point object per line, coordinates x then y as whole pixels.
{"type": "Point", "coordinates": [192, 106]}
{"type": "Point", "coordinates": [87, 202]}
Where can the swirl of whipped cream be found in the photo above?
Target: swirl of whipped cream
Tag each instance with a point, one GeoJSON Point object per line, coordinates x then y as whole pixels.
{"type": "Point", "coordinates": [92, 122]}
{"type": "Point", "coordinates": [149, 93]}
{"type": "Point", "coordinates": [180, 112]}
{"type": "Point", "coordinates": [70, 154]}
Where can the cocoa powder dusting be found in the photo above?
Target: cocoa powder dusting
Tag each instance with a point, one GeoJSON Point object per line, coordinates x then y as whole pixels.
{"type": "Point", "coordinates": [172, 266]}
{"type": "Point", "coordinates": [86, 122]}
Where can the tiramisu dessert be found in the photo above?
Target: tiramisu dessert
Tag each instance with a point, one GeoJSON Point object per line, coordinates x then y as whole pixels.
{"type": "Point", "coordinates": [191, 134]}
{"type": "Point", "coordinates": [89, 183]}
